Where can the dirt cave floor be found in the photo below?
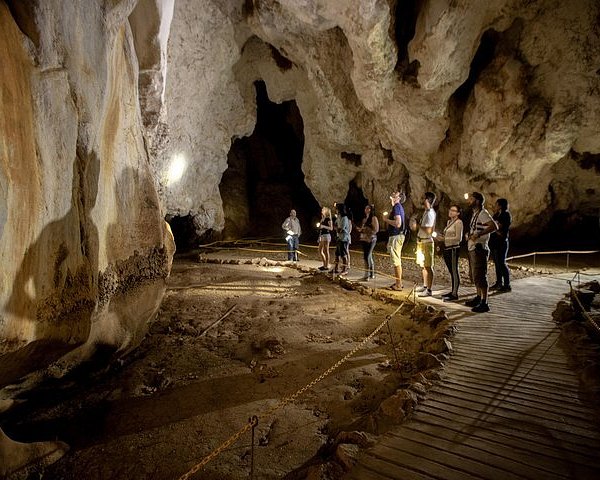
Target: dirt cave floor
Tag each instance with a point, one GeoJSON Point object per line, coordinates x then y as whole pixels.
{"type": "Point", "coordinates": [196, 381]}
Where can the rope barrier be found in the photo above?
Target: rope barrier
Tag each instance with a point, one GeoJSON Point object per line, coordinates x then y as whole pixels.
{"type": "Point", "coordinates": [558, 252]}
{"type": "Point", "coordinates": [286, 401]}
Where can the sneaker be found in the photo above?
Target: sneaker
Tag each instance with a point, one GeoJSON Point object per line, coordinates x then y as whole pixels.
{"type": "Point", "coordinates": [449, 298]}
{"type": "Point", "coordinates": [420, 289]}
{"type": "Point", "coordinates": [343, 273]}
{"type": "Point", "coordinates": [366, 278]}
{"type": "Point", "coordinates": [505, 289]}
{"type": "Point", "coordinates": [425, 293]}
{"type": "Point", "coordinates": [323, 269]}
{"type": "Point", "coordinates": [446, 295]}
{"type": "Point", "coordinates": [481, 308]}
{"type": "Point", "coordinates": [496, 286]}
{"type": "Point", "coordinates": [473, 302]}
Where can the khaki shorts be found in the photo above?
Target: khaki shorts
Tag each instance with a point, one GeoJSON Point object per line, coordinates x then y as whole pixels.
{"type": "Point", "coordinates": [394, 248]}
{"type": "Point", "coordinates": [425, 254]}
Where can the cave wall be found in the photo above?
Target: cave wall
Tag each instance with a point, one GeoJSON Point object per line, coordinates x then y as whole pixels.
{"type": "Point", "coordinates": [84, 248]}
{"type": "Point", "coordinates": [452, 96]}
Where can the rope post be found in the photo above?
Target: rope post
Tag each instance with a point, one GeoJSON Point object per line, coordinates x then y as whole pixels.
{"type": "Point", "coordinates": [534, 260]}
{"type": "Point", "coordinates": [389, 317]}
{"type": "Point", "coordinates": [567, 261]}
{"type": "Point", "coordinates": [254, 422]}
{"type": "Point", "coordinates": [414, 292]}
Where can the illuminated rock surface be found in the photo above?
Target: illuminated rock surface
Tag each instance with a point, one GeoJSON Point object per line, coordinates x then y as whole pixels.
{"type": "Point", "coordinates": [115, 113]}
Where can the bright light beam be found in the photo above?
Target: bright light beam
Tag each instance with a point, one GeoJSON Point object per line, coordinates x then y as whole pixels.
{"type": "Point", "coordinates": [176, 169]}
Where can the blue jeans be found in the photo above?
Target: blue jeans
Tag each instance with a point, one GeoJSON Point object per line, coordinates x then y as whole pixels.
{"type": "Point", "coordinates": [368, 256]}
{"type": "Point", "coordinates": [499, 253]}
{"type": "Point", "coordinates": [293, 242]}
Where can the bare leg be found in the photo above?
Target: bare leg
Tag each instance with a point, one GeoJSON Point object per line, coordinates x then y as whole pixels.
{"type": "Point", "coordinates": [398, 273]}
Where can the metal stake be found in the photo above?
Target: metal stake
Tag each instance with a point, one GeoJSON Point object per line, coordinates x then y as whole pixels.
{"type": "Point", "coordinates": [567, 261]}
{"type": "Point", "coordinates": [393, 343]}
{"type": "Point", "coordinates": [254, 422]}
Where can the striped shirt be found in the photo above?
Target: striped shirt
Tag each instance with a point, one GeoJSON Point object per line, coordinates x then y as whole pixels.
{"type": "Point", "coordinates": [478, 224]}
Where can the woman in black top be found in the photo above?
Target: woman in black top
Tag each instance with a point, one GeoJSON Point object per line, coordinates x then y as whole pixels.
{"type": "Point", "coordinates": [368, 238]}
{"type": "Point", "coordinates": [499, 245]}
{"type": "Point", "coordinates": [325, 227]}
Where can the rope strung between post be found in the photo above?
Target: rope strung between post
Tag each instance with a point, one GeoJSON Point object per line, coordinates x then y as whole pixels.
{"type": "Point", "coordinates": [558, 252]}
{"type": "Point", "coordinates": [286, 401]}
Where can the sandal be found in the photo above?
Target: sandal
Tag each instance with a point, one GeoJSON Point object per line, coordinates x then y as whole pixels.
{"type": "Point", "coordinates": [395, 287]}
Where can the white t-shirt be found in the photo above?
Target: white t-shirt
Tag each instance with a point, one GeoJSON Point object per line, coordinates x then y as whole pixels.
{"type": "Point", "coordinates": [478, 224]}
{"type": "Point", "coordinates": [428, 220]}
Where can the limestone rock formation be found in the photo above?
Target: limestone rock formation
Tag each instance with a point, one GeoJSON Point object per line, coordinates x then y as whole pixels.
{"type": "Point", "coordinates": [501, 97]}
{"type": "Point", "coordinates": [84, 248]}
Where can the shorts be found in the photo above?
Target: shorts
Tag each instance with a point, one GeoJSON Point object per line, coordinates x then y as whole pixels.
{"type": "Point", "coordinates": [325, 238]}
{"type": "Point", "coordinates": [394, 248]}
{"type": "Point", "coordinates": [478, 261]}
{"type": "Point", "coordinates": [425, 254]}
{"type": "Point", "coordinates": [341, 249]}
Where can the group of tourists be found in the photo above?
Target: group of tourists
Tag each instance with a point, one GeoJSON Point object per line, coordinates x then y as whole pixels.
{"type": "Point", "coordinates": [486, 235]}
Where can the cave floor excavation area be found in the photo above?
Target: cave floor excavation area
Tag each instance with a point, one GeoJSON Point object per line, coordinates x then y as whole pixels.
{"type": "Point", "coordinates": [450, 394]}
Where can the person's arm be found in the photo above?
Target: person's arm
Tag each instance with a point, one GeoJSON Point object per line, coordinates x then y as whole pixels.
{"type": "Point", "coordinates": [375, 225]}
{"type": "Point", "coordinates": [286, 224]}
{"type": "Point", "coordinates": [490, 227]}
{"type": "Point", "coordinates": [428, 230]}
{"type": "Point", "coordinates": [395, 222]}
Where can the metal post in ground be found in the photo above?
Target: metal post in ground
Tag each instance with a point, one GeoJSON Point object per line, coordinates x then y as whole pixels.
{"type": "Point", "coordinates": [254, 422]}
{"type": "Point", "coordinates": [567, 261]}
{"type": "Point", "coordinates": [393, 343]}
{"type": "Point", "coordinates": [534, 260]}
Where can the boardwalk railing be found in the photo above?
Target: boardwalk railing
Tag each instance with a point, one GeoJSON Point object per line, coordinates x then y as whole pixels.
{"type": "Point", "coordinates": [568, 253]}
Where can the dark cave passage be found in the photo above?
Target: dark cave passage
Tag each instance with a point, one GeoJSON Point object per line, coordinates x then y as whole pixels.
{"type": "Point", "coordinates": [264, 178]}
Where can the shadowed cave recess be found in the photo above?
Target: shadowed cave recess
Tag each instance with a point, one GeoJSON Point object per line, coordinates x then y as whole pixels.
{"type": "Point", "coordinates": [264, 178]}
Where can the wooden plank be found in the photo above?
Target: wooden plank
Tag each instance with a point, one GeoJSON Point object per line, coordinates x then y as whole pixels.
{"type": "Point", "coordinates": [491, 454]}
{"type": "Point", "coordinates": [369, 466]}
{"type": "Point", "coordinates": [549, 398]}
{"type": "Point", "coordinates": [517, 420]}
{"type": "Point", "coordinates": [554, 408]}
{"type": "Point", "coordinates": [476, 373]}
{"type": "Point", "coordinates": [557, 457]}
{"type": "Point", "coordinates": [439, 463]}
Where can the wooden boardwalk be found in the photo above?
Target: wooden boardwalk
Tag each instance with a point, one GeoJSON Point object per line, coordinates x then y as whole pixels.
{"type": "Point", "coordinates": [507, 407]}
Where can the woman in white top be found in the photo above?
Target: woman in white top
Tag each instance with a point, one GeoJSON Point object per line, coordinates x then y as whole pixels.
{"type": "Point", "coordinates": [452, 237]}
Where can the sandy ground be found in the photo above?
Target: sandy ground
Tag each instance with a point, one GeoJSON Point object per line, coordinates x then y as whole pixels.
{"type": "Point", "coordinates": [192, 384]}
{"type": "Point", "coordinates": [195, 380]}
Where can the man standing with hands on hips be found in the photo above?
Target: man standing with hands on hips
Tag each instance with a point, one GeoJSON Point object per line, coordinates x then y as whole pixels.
{"type": "Point", "coordinates": [478, 236]}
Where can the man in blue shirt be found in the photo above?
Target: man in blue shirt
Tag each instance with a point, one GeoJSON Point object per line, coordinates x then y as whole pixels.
{"type": "Point", "coordinates": [395, 223]}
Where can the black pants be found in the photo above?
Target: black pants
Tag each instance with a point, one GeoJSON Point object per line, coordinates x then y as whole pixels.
{"type": "Point", "coordinates": [499, 252]}
{"type": "Point", "coordinates": [451, 259]}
